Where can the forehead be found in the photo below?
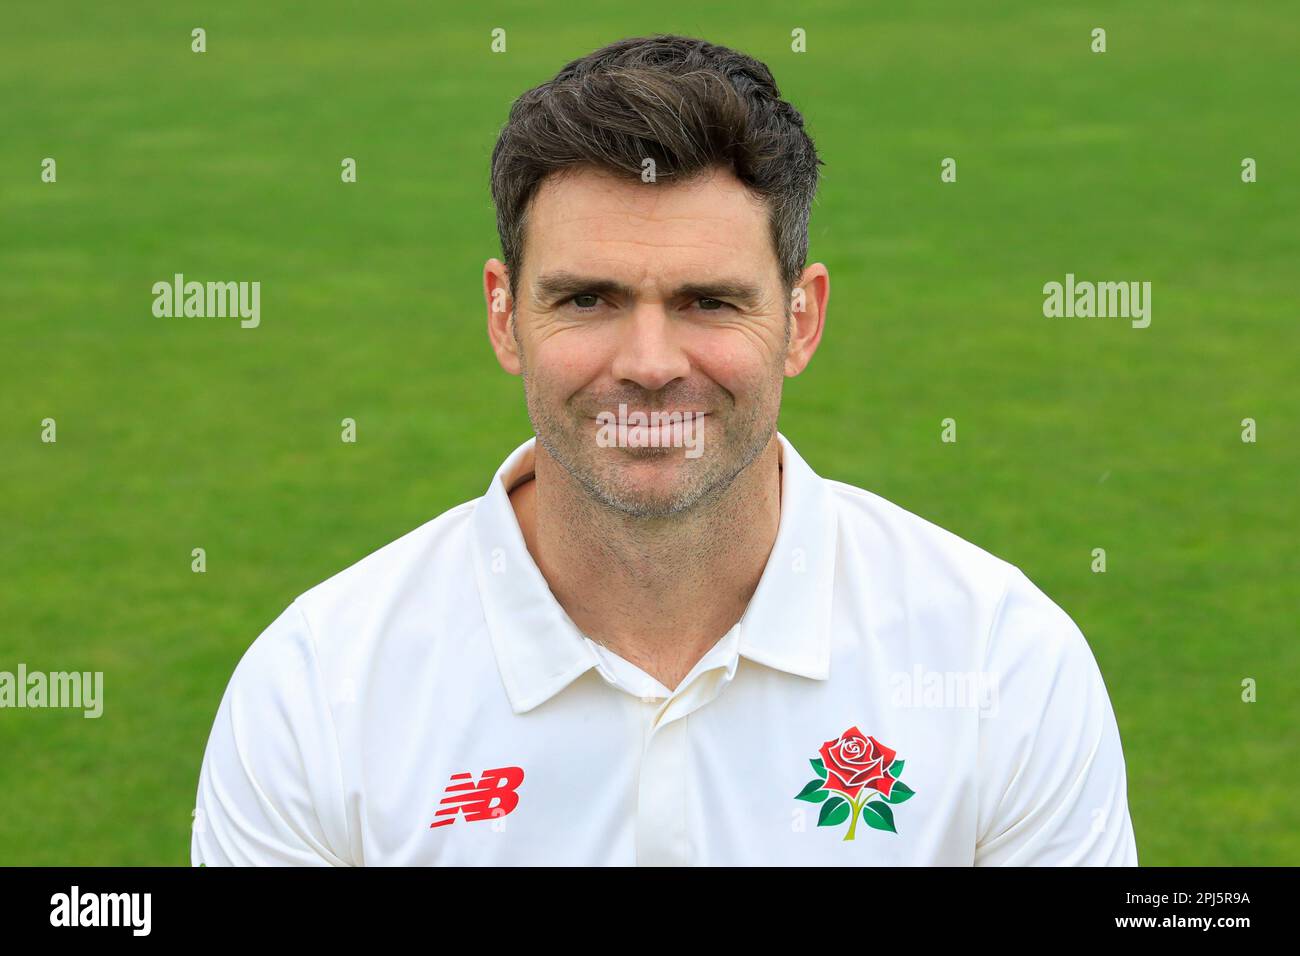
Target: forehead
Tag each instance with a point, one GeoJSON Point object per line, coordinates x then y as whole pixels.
{"type": "Point", "coordinates": [586, 219]}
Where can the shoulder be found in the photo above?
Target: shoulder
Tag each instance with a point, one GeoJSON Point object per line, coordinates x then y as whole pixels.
{"type": "Point", "coordinates": [909, 537]}
{"type": "Point", "coordinates": [400, 578]}
{"type": "Point", "coordinates": [942, 576]}
{"type": "Point", "coordinates": [905, 560]}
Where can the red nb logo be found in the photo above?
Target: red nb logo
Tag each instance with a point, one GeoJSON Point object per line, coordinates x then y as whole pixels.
{"type": "Point", "coordinates": [474, 800]}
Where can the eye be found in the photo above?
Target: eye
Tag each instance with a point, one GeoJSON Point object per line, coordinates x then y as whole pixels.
{"type": "Point", "coordinates": [711, 305]}
{"type": "Point", "coordinates": [584, 302]}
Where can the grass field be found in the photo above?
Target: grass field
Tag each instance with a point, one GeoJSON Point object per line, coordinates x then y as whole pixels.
{"type": "Point", "coordinates": [1073, 434]}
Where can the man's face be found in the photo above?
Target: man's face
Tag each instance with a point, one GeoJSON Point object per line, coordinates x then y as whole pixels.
{"type": "Point", "coordinates": [663, 298]}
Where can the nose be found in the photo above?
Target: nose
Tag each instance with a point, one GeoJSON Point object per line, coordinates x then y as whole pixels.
{"type": "Point", "coordinates": [649, 352]}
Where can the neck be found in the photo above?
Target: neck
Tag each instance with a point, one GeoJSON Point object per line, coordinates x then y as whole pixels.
{"type": "Point", "coordinates": [658, 592]}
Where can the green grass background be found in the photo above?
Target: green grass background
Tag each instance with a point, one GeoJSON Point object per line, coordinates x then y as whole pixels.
{"type": "Point", "coordinates": [1073, 433]}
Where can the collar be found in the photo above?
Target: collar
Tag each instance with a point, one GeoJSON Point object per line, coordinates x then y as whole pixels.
{"type": "Point", "coordinates": [540, 651]}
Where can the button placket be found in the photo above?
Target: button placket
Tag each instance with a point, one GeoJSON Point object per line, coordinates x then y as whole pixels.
{"type": "Point", "coordinates": [662, 835]}
{"type": "Point", "coordinates": [661, 838]}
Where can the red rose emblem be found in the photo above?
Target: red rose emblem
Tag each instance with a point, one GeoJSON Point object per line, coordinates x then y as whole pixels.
{"type": "Point", "coordinates": [856, 761]}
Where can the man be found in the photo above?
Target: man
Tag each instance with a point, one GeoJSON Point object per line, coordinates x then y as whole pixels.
{"type": "Point", "coordinates": [660, 638]}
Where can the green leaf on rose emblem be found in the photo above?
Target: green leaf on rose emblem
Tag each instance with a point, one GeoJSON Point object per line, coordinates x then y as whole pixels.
{"type": "Point", "coordinates": [834, 812]}
{"type": "Point", "coordinates": [813, 792]}
{"type": "Point", "coordinates": [877, 815]}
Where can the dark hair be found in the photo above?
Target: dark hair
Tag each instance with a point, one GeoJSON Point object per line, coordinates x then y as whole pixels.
{"type": "Point", "coordinates": [684, 103]}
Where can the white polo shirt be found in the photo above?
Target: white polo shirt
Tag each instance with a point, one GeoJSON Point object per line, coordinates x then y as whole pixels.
{"type": "Point", "coordinates": [893, 695]}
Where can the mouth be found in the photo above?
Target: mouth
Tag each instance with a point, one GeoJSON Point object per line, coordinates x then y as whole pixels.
{"type": "Point", "coordinates": [680, 415]}
{"type": "Point", "coordinates": [671, 429]}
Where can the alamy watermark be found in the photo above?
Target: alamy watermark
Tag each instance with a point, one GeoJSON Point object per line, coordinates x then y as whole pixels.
{"type": "Point", "coordinates": [213, 300]}
{"type": "Point", "coordinates": [1127, 300]}
{"type": "Point", "coordinates": [652, 430]}
{"type": "Point", "coordinates": [942, 690]}
{"type": "Point", "coordinates": [82, 690]}
{"type": "Point", "coordinates": [130, 910]}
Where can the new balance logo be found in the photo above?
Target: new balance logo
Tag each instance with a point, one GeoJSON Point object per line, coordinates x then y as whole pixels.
{"type": "Point", "coordinates": [474, 800]}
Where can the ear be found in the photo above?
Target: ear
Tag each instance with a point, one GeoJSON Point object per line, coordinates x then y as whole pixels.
{"type": "Point", "coordinates": [809, 298]}
{"type": "Point", "coordinates": [500, 315]}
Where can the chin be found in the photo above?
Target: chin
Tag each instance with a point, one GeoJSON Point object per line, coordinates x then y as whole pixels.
{"type": "Point", "coordinates": [644, 500]}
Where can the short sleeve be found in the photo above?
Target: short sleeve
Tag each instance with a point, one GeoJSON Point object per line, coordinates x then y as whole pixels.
{"type": "Point", "coordinates": [270, 788]}
{"type": "Point", "coordinates": [1051, 776]}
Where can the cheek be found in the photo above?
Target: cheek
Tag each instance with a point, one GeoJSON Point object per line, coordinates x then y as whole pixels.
{"type": "Point", "coordinates": [745, 352]}
{"type": "Point", "coordinates": [744, 372]}
{"type": "Point", "coordinates": [564, 364]}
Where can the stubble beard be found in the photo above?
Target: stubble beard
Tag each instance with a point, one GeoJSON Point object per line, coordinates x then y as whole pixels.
{"type": "Point", "coordinates": [705, 479]}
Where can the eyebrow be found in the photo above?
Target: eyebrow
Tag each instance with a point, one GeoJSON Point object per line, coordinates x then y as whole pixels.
{"type": "Point", "coordinates": [554, 286]}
